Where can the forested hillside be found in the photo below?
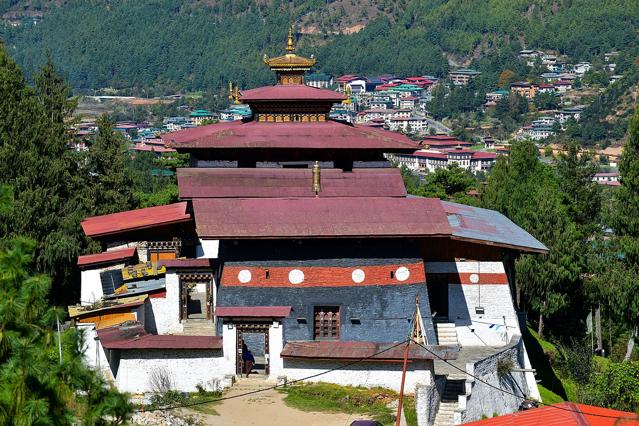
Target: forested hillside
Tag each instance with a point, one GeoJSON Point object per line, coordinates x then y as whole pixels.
{"type": "Point", "coordinates": [166, 45]}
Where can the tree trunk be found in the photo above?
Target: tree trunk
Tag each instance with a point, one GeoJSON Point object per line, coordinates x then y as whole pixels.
{"type": "Point", "coordinates": [631, 345]}
{"type": "Point", "coordinates": [540, 329]}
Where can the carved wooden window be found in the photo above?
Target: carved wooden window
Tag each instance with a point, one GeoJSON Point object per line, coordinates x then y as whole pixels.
{"type": "Point", "coordinates": [326, 322]}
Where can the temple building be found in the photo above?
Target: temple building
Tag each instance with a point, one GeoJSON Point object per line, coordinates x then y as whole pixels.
{"type": "Point", "coordinates": [295, 239]}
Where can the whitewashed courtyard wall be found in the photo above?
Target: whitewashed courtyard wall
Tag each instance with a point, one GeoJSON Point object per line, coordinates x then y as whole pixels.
{"type": "Point", "coordinates": [367, 374]}
{"type": "Point", "coordinates": [187, 369]}
{"type": "Point", "coordinates": [164, 312]}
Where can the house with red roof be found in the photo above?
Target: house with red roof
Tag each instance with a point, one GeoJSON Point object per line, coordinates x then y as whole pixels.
{"type": "Point", "coordinates": [295, 239]}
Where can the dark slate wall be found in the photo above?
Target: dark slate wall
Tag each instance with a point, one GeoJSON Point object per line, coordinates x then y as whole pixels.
{"type": "Point", "coordinates": [384, 311]}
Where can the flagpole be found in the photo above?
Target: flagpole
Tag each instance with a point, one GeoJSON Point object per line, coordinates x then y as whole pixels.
{"type": "Point", "coordinates": [414, 325]}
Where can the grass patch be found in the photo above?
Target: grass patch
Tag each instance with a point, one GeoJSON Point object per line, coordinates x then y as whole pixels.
{"type": "Point", "coordinates": [328, 397]}
{"type": "Point", "coordinates": [410, 413]}
{"type": "Point", "coordinates": [541, 354]}
{"type": "Point", "coordinates": [548, 396]}
{"type": "Point", "coordinates": [204, 407]}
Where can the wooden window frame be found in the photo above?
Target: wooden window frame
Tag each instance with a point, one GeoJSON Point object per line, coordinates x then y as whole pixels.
{"type": "Point", "coordinates": [326, 322]}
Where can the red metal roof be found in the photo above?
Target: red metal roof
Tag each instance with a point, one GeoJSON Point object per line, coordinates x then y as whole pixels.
{"type": "Point", "coordinates": [185, 263]}
{"type": "Point", "coordinates": [484, 155]}
{"type": "Point", "coordinates": [149, 217]}
{"type": "Point", "coordinates": [253, 311]}
{"type": "Point", "coordinates": [324, 349]}
{"type": "Point", "coordinates": [135, 337]}
{"type": "Point", "coordinates": [223, 218]}
{"type": "Point", "coordinates": [437, 155]}
{"type": "Point", "coordinates": [320, 135]}
{"type": "Point", "coordinates": [107, 256]}
{"type": "Point", "coordinates": [563, 414]}
{"type": "Point", "coordinates": [290, 92]}
{"type": "Point", "coordinates": [267, 183]}
{"type": "Point", "coordinates": [440, 143]}
{"type": "Point", "coordinates": [440, 138]}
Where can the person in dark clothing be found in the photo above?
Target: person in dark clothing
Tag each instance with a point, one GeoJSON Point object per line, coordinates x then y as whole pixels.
{"type": "Point", "coordinates": [248, 359]}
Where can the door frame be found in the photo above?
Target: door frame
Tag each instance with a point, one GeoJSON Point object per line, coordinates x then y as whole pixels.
{"type": "Point", "coordinates": [194, 278]}
{"type": "Point", "coordinates": [253, 327]}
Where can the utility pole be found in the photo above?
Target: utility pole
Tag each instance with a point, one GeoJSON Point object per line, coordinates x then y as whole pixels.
{"type": "Point", "coordinates": [417, 335]}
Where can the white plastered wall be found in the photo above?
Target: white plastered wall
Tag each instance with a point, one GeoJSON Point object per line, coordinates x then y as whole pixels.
{"type": "Point", "coordinates": [275, 346]}
{"type": "Point", "coordinates": [92, 352]}
{"type": "Point", "coordinates": [499, 321]}
{"type": "Point", "coordinates": [186, 368]}
{"type": "Point", "coordinates": [208, 249]}
{"type": "Point", "coordinates": [90, 284]}
{"type": "Point", "coordinates": [366, 374]}
{"type": "Point", "coordinates": [166, 310]}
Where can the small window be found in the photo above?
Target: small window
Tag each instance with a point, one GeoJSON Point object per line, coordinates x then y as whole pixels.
{"type": "Point", "coordinates": [327, 322]}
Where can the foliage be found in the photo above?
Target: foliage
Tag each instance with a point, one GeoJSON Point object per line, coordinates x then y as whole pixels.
{"type": "Point", "coordinates": [527, 191]}
{"type": "Point", "coordinates": [346, 399]}
{"type": "Point", "coordinates": [43, 173]}
{"type": "Point", "coordinates": [149, 46]}
{"type": "Point", "coordinates": [450, 183]}
{"type": "Point", "coordinates": [578, 363]}
{"type": "Point", "coordinates": [35, 386]}
{"type": "Point", "coordinates": [110, 185]}
{"type": "Point", "coordinates": [614, 385]}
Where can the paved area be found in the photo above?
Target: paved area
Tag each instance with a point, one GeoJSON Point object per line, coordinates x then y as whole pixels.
{"type": "Point", "coordinates": [267, 409]}
{"type": "Point", "coordinates": [466, 354]}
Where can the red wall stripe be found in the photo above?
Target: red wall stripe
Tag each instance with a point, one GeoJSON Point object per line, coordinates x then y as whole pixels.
{"type": "Point", "coordinates": [464, 278]}
{"type": "Point", "coordinates": [315, 276]}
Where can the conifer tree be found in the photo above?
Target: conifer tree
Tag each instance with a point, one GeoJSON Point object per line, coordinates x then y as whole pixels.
{"type": "Point", "coordinates": [33, 162]}
{"type": "Point", "coordinates": [110, 183]}
{"type": "Point", "coordinates": [626, 226]}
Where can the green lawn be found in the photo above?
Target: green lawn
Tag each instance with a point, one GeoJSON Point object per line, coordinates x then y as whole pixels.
{"type": "Point", "coordinates": [541, 352]}
{"type": "Point", "coordinates": [345, 399]}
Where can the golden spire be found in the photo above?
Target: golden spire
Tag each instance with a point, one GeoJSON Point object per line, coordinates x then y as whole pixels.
{"type": "Point", "coordinates": [236, 94]}
{"type": "Point", "coordinates": [231, 98]}
{"type": "Point", "coordinates": [290, 46]}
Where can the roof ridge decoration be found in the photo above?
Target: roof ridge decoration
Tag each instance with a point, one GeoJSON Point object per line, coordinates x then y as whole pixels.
{"type": "Point", "coordinates": [290, 68]}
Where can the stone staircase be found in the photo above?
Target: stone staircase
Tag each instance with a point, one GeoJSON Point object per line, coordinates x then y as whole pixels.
{"type": "Point", "coordinates": [446, 333]}
{"type": "Point", "coordinates": [198, 327]}
{"type": "Point", "coordinates": [449, 402]}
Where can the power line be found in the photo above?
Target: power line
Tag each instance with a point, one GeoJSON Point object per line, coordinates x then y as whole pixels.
{"type": "Point", "coordinates": [272, 387]}
{"type": "Point", "coordinates": [515, 395]}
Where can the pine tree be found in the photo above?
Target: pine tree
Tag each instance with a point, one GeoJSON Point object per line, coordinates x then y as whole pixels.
{"type": "Point", "coordinates": [34, 163]}
{"type": "Point", "coordinates": [626, 224]}
{"type": "Point", "coordinates": [36, 387]}
{"type": "Point", "coordinates": [110, 183]}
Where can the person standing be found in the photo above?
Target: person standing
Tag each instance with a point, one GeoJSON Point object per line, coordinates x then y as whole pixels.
{"type": "Point", "coordinates": [248, 359]}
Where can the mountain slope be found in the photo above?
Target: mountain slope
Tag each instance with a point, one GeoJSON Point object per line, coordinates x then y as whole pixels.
{"type": "Point", "coordinates": [166, 45]}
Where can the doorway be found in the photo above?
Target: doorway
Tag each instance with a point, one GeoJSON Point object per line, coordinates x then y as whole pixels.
{"type": "Point", "coordinates": [256, 338]}
{"type": "Point", "coordinates": [195, 299]}
{"type": "Point", "coordinates": [437, 285]}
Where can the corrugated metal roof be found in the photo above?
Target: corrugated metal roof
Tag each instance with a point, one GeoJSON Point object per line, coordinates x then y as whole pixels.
{"type": "Point", "coordinates": [489, 226]}
{"type": "Point", "coordinates": [563, 414]}
{"type": "Point", "coordinates": [105, 306]}
{"type": "Point", "coordinates": [336, 349]}
{"type": "Point", "coordinates": [106, 257]}
{"type": "Point", "coordinates": [253, 311]}
{"type": "Point", "coordinates": [223, 218]}
{"type": "Point", "coordinates": [135, 337]}
{"type": "Point", "coordinates": [266, 183]}
{"type": "Point", "coordinates": [320, 135]}
{"type": "Point", "coordinates": [290, 92]}
{"type": "Point", "coordinates": [149, 217]}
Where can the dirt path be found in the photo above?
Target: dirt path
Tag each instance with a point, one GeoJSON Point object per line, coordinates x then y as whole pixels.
{"type": "Point", "coordinates": [268, 409]}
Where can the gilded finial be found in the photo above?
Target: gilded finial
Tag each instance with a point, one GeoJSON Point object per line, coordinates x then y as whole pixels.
{"type": "Point", "coordinates": [290, 46]}
{"type": "Point", "coordinates": [231, 98]}
{"type": "Point", "coordinates": [236, 94]}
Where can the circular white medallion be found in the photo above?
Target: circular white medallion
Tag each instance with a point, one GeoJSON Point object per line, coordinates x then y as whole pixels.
{"type": "Point", "coordinates": [296, 276]}
{"type": "Point", "coordinates": [244, 276]}
{"type": "Point", "coordinates": [402, 273]}
{"type": "Point", "coordinates": [474, 278]}
{"type": "Point", "coordinates": [358, 276]}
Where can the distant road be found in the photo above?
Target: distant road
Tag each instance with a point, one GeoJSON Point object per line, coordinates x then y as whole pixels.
{"type": "Point", "coordinates": [437, 125]}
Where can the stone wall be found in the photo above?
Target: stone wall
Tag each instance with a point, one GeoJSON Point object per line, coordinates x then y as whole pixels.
{"type": "Point", "coordinates": [186, 368]}
{"type": "Point", "coordinates": [427, 399]}
{"type": "Point", "coordinates": [370, 313]}
{"type": "Point", "coordinates": [481, 399]}
{"type": "Point", "coordinates": [367, 374]}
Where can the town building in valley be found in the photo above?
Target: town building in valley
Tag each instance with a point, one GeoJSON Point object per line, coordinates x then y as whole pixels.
{"type": "Point", "coordinates": [295, 239]}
